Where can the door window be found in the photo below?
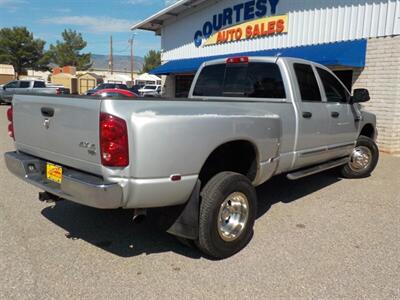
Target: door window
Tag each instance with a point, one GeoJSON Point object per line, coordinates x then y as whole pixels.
{"type": "Point", "coordinates": [24, 84]}
{"type": "Point", "coordinates": [39, 84]}
{"type": "Point", "coordinates": [308, 84]}
{"type": "Point", "coordinates": [334, 90]}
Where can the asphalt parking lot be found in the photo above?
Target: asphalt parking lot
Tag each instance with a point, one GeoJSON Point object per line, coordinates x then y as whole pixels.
{"type": "Point", "coordinates": [320, 237]}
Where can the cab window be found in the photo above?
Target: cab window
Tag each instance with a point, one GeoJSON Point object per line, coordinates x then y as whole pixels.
{"type": "Point", "coordinates": [11, 85]}
{"type": "Point", "coordinates": [252, 80]}
{"type": "Point", "coordinates": [264, 80]}
{"type": "Point", "coordinates": [210, 81]}
{"type": "Point", "coordinates": [308, 84]}
{"type": "Point", "coordinates": [334, 90]}
{"type": "Point", "coordinates": [39, 84]}
{"type": "Point", "coordinates": [24, 84]}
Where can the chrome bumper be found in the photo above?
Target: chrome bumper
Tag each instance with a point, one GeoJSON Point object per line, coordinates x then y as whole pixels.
{"type": "Point", "coordinates": [76, 186]}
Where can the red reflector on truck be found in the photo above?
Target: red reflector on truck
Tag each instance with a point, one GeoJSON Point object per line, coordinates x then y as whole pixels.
{"type": "Point", "coordinates": [10, 118]}
{"type": "Point", "coordinates": [113, 141]}
{"type": "Point", "coordinates": [11, 130]}
{"type": "Point", "coordinates": [10, 114]}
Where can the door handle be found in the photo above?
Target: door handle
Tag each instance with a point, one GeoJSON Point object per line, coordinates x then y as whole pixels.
{"type": "Point", "coordinates": [335, 114]}
{"type": "Point", "coordinates": [47, 112]}
{"type": "Point", "coordinates": [307, 115]}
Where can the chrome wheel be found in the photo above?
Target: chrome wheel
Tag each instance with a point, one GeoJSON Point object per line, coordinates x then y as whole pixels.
{"type": "Point", "coordinates": [360, 159]}
{"type": "Point", "coordinates": [233, 216]}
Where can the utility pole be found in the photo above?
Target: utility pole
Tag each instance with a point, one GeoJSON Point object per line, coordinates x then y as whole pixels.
{"type": "Point", "coordinates": [132, 59]}
{"type": "Point", "coordinates": [111, 59]}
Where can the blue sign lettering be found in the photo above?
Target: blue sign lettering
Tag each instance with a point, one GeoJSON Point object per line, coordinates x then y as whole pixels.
{"type": "Point", "coordinates": [241, 12]}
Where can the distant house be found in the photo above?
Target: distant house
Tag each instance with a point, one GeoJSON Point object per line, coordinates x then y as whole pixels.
{"type": "Point", "coordinates": [88, 81]}
{"type": "Point", "coordinates": [7, 73]}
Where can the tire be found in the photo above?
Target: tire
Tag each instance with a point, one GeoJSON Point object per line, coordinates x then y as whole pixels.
{"type": "Point", "coordinates": [226, 190]}
{"type": "Point", "coordinates": [353, 169]}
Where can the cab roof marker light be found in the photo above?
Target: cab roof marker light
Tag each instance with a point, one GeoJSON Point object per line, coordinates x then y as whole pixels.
{"type": "Point", "coordinates": [238, 60]}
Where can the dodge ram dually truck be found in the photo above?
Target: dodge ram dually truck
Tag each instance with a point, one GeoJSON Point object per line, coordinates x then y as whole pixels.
{"type": "Point", "coordinates": [246, 119]}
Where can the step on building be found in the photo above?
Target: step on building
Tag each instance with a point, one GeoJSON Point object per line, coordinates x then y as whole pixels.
{"type": "Point", "coordinates": [358, 39]}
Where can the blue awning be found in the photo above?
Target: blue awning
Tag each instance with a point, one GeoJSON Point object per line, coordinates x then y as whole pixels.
{"type": "Point", "coordinates": [349, 54]}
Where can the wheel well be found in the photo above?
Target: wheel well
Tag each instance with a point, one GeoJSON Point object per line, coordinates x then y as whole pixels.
{"type": "Point", "coordinates": [368, 131]}
{"type": "Point", "coordinates": [236, 156]}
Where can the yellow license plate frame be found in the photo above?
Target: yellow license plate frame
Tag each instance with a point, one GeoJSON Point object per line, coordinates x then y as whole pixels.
{"type": "Point", "coordinates": [54, 172]}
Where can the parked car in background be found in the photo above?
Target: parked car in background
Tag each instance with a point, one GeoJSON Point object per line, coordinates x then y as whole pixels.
{"type": "Point", "coordinates": [28, 86]}
{"type": "Point", "coordinates": [135, 89]}
{"type": "Point", "coordinates": [110, 93]}
{"type": "Point", "coordinates": [150, 91]}
{"type": "Point", "coordinates": [104, 86]}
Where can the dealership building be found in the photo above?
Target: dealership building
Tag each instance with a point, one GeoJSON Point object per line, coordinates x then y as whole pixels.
{"type": "Point", "coordinates": [358, 39]}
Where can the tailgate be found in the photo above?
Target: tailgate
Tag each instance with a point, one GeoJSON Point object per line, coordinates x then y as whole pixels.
{"type": "Point", "coordinates": [63, 130]}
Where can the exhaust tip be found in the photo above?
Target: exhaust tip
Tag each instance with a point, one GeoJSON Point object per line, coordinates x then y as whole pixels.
{"type": "Point", "coordinates": [139, 215]}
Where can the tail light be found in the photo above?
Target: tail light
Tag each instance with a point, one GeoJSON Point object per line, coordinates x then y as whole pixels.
{"type": "Point", "coordinates": [238, 60]}
{"type": "Point", "coordinates": [113, 141]}
{"type": "Point", "coordinates": [10, 118]}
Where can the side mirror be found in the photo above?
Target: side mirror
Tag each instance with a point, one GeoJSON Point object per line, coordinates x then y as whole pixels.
{"type": "Point", "coordinates": [360, 95]}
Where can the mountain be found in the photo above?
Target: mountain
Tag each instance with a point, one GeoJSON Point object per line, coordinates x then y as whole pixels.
{"type": "Point", "coordinates": [121, 62]}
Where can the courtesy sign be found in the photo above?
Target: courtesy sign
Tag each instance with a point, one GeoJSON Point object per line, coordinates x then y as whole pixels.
{"type": "Point", "coordinates": [254, 29]}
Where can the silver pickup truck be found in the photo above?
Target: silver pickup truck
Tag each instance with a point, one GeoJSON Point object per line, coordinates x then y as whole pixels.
{"type": "Point", "coordinates": [8, 90]}
{"type": "Point", "coordinates": [246, 120]}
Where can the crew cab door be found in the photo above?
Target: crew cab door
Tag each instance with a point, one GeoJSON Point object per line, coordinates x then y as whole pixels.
{"type": "Point", "coordinates": [343, 127]}
{"type": "Point", "coordinates": [24, 86]}
{"type": "Point", "coordinates": [313, 118]}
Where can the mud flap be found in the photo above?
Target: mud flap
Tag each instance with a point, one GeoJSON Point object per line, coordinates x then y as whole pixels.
{"type": "Point", "coordinates": [187, 223]}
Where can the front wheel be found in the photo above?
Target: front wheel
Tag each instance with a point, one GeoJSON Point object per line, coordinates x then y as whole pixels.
{"type": "Point", "coordinates": [363, 159]}
{"type": "Point", "coordinates": [227, 215]}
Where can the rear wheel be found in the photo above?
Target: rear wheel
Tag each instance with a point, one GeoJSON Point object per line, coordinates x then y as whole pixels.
{"type": "Point", "coordinates": [363, 160]}
{"type": "Point", "coordinates": [227, 214]}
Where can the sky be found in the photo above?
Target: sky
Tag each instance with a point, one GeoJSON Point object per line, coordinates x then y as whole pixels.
{"type": "Point", "coordinates": [97, 20]}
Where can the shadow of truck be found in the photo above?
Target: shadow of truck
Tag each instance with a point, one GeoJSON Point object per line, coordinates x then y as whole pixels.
{"type": "Point", "coordinates": [114, 231]}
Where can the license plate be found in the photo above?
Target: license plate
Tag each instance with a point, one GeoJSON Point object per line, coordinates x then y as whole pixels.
{"type": "Point", "coordinates": [54, 172]}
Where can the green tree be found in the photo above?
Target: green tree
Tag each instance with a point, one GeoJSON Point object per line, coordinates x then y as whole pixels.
{"type": "Point", "coordinates": [152, 60]}
{"type": "Point", "coordinates": [68, 51]}
{"type": "Point", "coordinates": [19, 48]}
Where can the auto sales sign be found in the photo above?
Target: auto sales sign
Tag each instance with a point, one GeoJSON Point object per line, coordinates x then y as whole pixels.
{"type": "Point", "coordinates": [242, 21]}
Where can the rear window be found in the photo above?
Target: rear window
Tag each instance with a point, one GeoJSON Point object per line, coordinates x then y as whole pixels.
{"type": "Point", "coordinates": [253, 80]}
{"type": "Point", "coordinates": [211, 81]}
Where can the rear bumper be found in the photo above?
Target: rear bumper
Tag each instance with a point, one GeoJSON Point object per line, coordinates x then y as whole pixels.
{"type": "Point", "coordinates": [76, 186]}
